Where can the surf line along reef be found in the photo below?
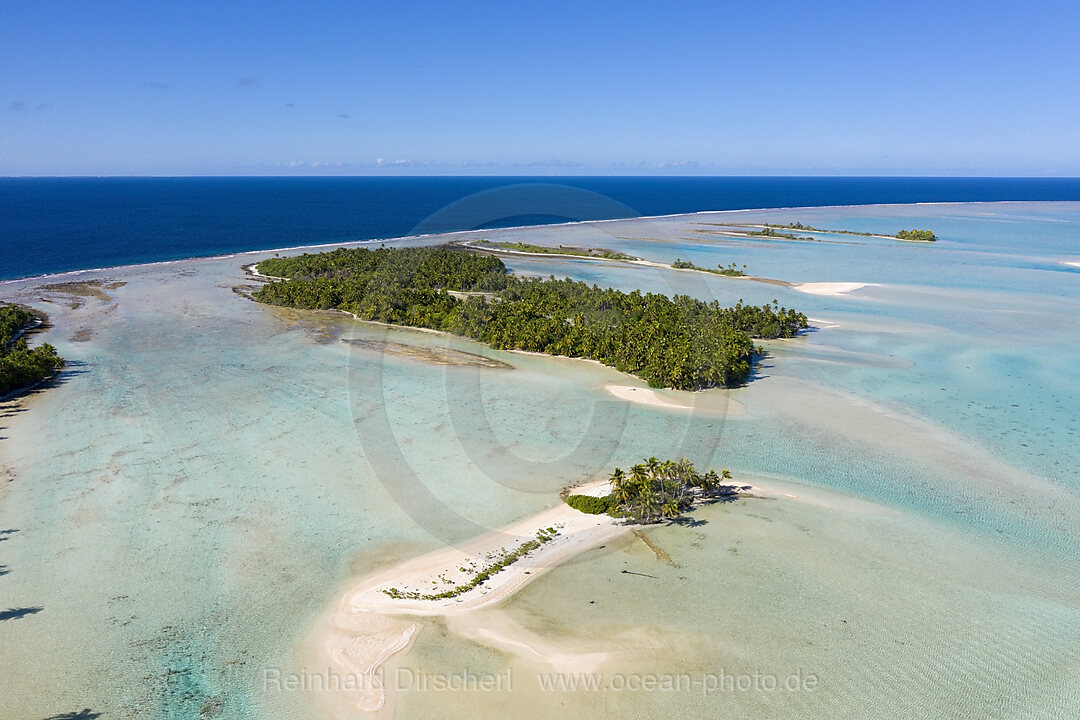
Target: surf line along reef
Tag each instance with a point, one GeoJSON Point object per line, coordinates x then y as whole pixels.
{"type": "Point", "coordinates": [680, 342]}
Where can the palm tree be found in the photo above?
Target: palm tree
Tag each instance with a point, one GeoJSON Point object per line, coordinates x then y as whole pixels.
{"type": "Point", "coordinates": [686, 476]}
{"type": "Point", "coordinates": [621, 487]}
{"type": "Point", "coordinates": [648, 504]}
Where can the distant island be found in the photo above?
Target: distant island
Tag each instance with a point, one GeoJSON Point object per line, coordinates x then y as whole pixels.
{"type": "Point", "coordinates": [529, 248]}
{"type": "Point", "coordinates": [769, 232]}
{"type": "Point", "coordinates": [20, 365]}
{"type": "Point", "coordinates": [731, 270]}
{"type": "Point", "coordinates": [909, 235]}
{"type": "Point", "coordinates": [917, 235]}
{"type": "Point", "coordinates": [679, 342]}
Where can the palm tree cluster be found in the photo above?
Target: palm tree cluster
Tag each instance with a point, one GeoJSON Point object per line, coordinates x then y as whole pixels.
{"type": "Point", "coordinates": [21, 365]}
{"type": "Point", "coordinates": [662, 490]}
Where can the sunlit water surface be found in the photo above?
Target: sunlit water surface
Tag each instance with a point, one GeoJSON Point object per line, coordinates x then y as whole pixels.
{"type": "Point", "coordinates": [210, 474]}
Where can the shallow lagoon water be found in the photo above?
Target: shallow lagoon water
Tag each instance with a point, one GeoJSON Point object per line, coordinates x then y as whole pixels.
{"type": "Point", "coordinates": [210, 474]}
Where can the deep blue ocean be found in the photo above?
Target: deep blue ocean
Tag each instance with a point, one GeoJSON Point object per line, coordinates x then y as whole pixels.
{"type": "Point", "coordinates": [50, 225]}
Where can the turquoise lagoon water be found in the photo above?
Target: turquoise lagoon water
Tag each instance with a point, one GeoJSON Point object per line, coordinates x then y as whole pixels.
{"type": "Point", "coordinates": [211, 474]}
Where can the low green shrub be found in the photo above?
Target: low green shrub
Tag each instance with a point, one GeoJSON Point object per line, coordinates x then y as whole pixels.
{"type": "Point", "coordinates": [588, 504]}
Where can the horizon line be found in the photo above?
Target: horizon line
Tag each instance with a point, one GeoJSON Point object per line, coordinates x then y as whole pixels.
{"type": "Point", "coordinates": [515, 175]}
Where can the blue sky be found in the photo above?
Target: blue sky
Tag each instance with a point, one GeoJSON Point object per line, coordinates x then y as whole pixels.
{"type": "Point", "coordinates": [152, 88]}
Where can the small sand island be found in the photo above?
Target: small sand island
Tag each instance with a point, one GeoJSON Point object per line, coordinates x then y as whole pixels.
{"type": "Point", "coordinates": [681, 342]}
{"type": "Point", "coordinates": [361, 633]}
{"type": "Point", "coordinates": [21, 366]}
{"type": "Point", "coordinates": [831, 288]}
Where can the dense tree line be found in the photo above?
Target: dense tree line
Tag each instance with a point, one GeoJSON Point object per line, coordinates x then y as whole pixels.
{"type": "Point", "coordinates": [21, 365]}
{"type": "Point", "coordinates": [675, 342]}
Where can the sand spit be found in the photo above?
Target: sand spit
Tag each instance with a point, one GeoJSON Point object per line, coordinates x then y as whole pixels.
{"type": "Point", "coordinates": [496, 629]}
{"type": "Point", "coordinates": [644, 396]}
{"type": "Point", "coordinates": [831, 288]}
{"type": "Point", "coordinates": [435, 355]}
{"type": "Point", "coordinates": [365, 628]}
{"type": "Point", "coordinates": [823, 324]}
{"type": "Point", "coordinates": [709, 401]}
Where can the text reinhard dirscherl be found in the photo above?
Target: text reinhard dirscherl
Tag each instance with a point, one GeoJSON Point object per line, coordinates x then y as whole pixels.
{"type": "Point", "coordinates": [409, 680]}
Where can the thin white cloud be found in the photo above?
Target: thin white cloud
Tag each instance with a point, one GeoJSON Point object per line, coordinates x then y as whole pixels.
{"type": "Point", "coordinates": [23, 106]}
{"type": "Point", "coordinates": [383, 162]}
{"type": "Point", "coordinates": [313, 164]}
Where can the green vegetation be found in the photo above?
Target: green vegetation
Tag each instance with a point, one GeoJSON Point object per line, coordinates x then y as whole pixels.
{"type": "Point", "coordinates": [20, 365]}
{"type": "Point", "coordinates": [655, 490]}
{"type": "Point", "coordinates": [502, 560]}
{"type": "Point", "coordinates": [677, 342]}
{"type": "Point", "coordinates": [560, 250]}
{"type": "Point", "coordinates": [13, 321]}
{"type": "Point", "coordinates": [916, 235]}
{"type": "Point", "coordinates": [769, 232]}
{"type": "Point", "coordinates": [809, 228]}
{"type": "Point", "coordinates": [731, 270]}
{"type": "Point", "coordinates": [589, 504]}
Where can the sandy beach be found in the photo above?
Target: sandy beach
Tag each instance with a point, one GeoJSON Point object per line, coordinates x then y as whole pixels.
{"type": "Point", "coordinates": [367, 627]}
{"type": "Point", "coordinates": [692, 401]}
{"type": "Point", "coordinates": [361, 633]}
{"type": "Point", "coordinates": [822, 324]}
{"type": "Point", "coordinates": [644, 396]}
{"type": "Point", "coordinates": [831, 288]}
